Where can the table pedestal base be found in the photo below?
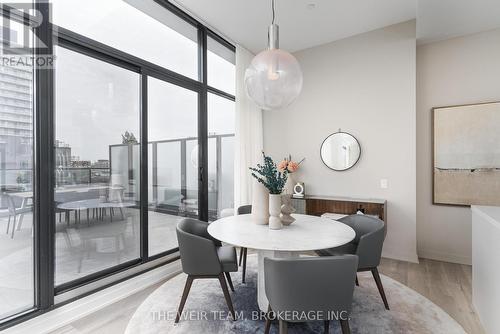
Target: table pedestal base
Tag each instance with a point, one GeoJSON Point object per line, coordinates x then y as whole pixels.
{"type": "Point", "coordinates": [261, 289]}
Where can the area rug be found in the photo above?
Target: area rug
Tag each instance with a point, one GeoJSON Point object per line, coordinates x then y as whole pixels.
{"type": "Point", "coordinates": [206, 310]}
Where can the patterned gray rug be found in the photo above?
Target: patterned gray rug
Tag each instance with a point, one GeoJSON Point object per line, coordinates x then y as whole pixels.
{"type": "Point", "coordinates": [206, 310]}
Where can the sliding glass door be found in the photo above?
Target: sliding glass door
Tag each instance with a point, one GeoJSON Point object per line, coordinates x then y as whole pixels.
{"type": "Point", "coordinates": [221, 128]}
{"type": "Point", "coordinates": [220, 155]}
{"type": "Point", "coordinates": [173, 161]}
{"type": "Point", "coordinates": [96, 190]}
{"type": "Point", "coordinates": [132, 129]}
{"type": "Point", "coordinates": [16, 183]}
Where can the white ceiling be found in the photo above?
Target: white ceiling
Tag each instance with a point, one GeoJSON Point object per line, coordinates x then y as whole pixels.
{"type": "Point", "coordinates": [443, 19]}
{"type": "Point", "coordinates": [246, 21]}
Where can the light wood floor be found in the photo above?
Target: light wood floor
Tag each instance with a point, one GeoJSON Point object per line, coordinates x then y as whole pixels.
{"type": "Point", "coordinates": [447, 285]}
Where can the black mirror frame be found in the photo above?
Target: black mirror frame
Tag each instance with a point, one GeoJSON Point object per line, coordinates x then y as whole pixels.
{"type": "Point", "coordinates": [354, 164]}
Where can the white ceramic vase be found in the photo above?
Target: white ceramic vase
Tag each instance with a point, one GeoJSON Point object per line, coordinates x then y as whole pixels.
{"type": "Point", "coordinates": [260, 204]}
{"type": "Point", "coordinates": [289, 184]}
{"type": "Point", "coordinates": [274, 212]}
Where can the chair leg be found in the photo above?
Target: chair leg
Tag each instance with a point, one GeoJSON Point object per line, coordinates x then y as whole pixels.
{"type": "Point", "coordinates": [268, 320]}
{"type": "Point", "coordinates": [283, 327]}
{"type": "Point", "coordinates": [20, 221]}
{"type": "Point", "coordinates": [241, 256]}
{"type": "Point", "coordinates": [13, 227]}
{"type": "Point", "coordinates": [229, 281]}
{"type": "Point", "coordinates": [380, 287]}
{"type": "Point", "coordinates": [344, 324]}
{"type": "Point", "coordinates": [223, 285]}
{"type": "Point", "coordinates": [243, 274]}
{"type": "Point", "coordinates": [327, 326]}
{"type": "Point", "coordinates": [357, 282]}
{"type": "Point", "coordinates": [187, 287]}
{"type": "Point", "coordinates": [8, 226]}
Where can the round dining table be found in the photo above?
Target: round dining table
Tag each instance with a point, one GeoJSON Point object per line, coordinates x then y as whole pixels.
{"type": "Point", "coordinates": [94, 203]}
{"type": "Point", "coordinates": [307, 233]}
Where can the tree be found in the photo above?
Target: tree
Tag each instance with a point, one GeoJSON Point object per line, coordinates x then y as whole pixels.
{"type": "Point", "coordinates": [129, 138]}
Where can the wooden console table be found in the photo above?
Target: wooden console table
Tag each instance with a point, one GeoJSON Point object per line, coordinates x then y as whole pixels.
{"type": "Point", "coordinates": [318, 205]}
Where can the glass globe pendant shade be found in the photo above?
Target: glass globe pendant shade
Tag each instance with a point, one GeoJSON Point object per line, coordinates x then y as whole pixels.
{"type": "Point", "coordinates": [274, 78]}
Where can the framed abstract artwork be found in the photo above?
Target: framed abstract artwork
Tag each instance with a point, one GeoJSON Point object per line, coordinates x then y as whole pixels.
{"type": "Point", "coordinates": [466, 154]}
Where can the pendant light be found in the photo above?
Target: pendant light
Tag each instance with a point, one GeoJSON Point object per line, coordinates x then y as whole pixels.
{"type": "Point", "coordinates": [274, 78]}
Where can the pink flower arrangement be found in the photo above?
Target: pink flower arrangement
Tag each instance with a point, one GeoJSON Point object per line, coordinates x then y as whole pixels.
{"type": "Point", "coordinates": [292, 166]}
{"type": "Point", "coordinates": [282, 165]}
{"type": "Point", "coordinates": [289, 165]}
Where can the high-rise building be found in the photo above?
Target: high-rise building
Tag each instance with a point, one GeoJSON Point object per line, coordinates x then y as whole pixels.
{"type": "Point", "coordinates": [16, 125]}
{"type": "Point", "coordinates": [62, 154]}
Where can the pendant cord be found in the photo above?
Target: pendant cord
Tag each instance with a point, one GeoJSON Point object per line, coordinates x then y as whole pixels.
{"type": "Point", "coordinates": [274, 13]}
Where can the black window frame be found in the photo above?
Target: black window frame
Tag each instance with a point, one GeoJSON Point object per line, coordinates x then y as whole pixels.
{"type": "Point", "coordinates": [44, 110]}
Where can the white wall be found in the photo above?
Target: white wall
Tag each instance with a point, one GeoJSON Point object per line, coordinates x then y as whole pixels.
{"type": "Point", "coordinates": [364, 85]}
{"type": "Point", "coordinates": [457, 71]}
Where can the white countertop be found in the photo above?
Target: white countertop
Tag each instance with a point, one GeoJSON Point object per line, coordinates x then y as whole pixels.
{"type": "Point", "coordinates": [307, 233]}
{"type": "Point", "coordinates": [490, 213]}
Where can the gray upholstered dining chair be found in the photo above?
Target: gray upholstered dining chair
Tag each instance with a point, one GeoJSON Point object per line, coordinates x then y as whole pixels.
{"type": "Point", "coordinates": [202, 256]}
{"type": "Point", "coordinates": [318, 287]}
{"type": "Point", "coordinates": [244, 210]}
{"type": "Point", "coordinates": [367, 245]}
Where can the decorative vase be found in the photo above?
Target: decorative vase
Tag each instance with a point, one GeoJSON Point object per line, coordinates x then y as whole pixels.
{"type": "Point", "coordinates": [260, 204]}
{"type": "Point", "coordinates": [289, 184]}
{"type": "Point", "coordinates": [274, 212]}
{"type": "Point", "coordinates": [286, 210]}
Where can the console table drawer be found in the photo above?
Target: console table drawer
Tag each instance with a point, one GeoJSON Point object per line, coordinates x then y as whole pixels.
{"type": "Point", "coordinates": [318, 205]}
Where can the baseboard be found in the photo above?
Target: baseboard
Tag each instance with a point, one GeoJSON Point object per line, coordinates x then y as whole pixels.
{"type": "Point", "coordinates": [445, 257]}
{"type": "Point", "coordinates": [399, 253]}
{"type": "Point", "coordinates": [64, 315]}
{"type": "Point", "coordinates": [399, 256]}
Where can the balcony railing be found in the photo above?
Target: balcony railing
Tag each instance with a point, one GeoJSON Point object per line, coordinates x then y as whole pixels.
{"type": "Point", "coordinates": [173, 174]}
{"type": "Point", "coordinates": [81, 175]}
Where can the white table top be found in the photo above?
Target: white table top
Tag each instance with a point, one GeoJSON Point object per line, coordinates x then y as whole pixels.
{"type": "Point", "coordinates": [93, 204]}
{"type": "Point", "coordinates": [307, 233]}
{"type": "Point", "coordinates": [83, 189]}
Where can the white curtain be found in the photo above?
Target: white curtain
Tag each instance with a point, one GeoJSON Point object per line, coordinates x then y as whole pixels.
{"type": "Point", "coordinates": [249, 138]}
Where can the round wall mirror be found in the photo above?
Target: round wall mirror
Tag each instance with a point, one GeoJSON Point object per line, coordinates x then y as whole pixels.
{"type": "Point", "coordinates": [340, 151]}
